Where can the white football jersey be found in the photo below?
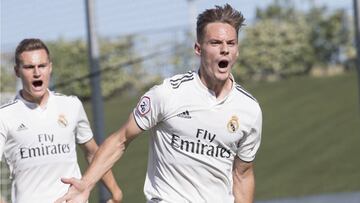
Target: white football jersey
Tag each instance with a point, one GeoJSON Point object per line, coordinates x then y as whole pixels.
{"type": "Point", "coordinates": [39, 144]}
{"type": "Point", "coordinates": [195, 138]}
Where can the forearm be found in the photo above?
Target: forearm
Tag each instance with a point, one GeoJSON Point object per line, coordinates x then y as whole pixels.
{"type": "Point", "coordinates": [107, 154]}
{"type": "Point", "coordinates": [110, 183]}
{"type": "Point", "coordinates": [243, 181]}
{"type": "Point", "coordinates": [244, 189]}
{"type": "Point", "coordinates": [108, 179]}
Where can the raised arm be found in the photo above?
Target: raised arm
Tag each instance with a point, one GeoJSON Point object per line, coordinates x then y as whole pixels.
{"type": "Point", "coordinates": [243, 181]}
{"type": "Point", "coordinates": [108, 153]}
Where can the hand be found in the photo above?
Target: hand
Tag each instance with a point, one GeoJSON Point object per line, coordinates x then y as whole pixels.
{"type": "Point", "coordinates": [77, 192]}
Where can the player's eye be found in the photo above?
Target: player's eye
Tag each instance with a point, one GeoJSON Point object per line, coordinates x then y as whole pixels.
{"type": "Point", "coordinates": [28, 66]}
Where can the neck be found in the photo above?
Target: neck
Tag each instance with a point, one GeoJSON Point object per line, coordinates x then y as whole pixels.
{"type": "Point", "coordinates": [41, 101]}
{"type": "Point", "coordinates": [220, 88]}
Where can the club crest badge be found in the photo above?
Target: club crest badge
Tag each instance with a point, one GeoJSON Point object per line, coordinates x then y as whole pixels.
{"type": "Point", "coordinates": [144, 106]}
{"type": "Point", "coordinates": [233, 124]}
{"type": "Point", "coordinates": [62, 121]}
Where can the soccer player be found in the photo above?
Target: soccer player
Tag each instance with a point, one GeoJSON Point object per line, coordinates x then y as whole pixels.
{"type": "Point", "coordinates": [39, 130]}
{"type": "Point", "coordinates": [205, 128]}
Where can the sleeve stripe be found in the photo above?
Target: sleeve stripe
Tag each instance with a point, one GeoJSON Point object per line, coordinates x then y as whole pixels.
{"type": "Point", "coordinates": [244, 92]}
{"type": "Point", "coordinates": [175, 86]}
{"type": "Point", "coordinates": [8, 104]}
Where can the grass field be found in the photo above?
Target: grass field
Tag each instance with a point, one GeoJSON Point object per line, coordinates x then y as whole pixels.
{"type": "Point", "coordinates": [310, 145]}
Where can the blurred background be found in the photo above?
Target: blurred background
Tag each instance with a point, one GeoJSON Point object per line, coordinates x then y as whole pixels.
{"type": "Point", "coordinates": [297, 57]}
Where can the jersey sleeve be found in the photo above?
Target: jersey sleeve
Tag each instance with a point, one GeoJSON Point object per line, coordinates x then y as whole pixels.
{"type": "Point", "coordinates": [83, 129]}
{"type": "Point", "coordinates": [250, 144]}
{"type": "Point", "coordinates": [150, 109]}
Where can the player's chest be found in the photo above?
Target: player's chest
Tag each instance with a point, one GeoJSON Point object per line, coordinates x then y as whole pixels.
{"type": "Point", "coordinates": [225, 125]}
{"type": "Point", "coordinates": [41, 127]}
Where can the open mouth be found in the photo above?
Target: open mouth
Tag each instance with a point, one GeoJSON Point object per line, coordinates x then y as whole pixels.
{"type": "Point", "coordinates": [223, 63]}
{"type": "Point", "coordinates": [37, 83]}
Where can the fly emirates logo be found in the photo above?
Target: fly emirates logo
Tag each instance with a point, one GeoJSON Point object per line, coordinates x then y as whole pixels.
{"type": "Point", "coordinates": [202, 146]}
{"type": "Point", "coordinates": [45, 147]}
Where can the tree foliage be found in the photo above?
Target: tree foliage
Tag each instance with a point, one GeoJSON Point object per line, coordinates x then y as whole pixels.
{"type": "Point", "coordinates": [285, 41]}
{"type": "Point", "coordinates": [71, 66]}
{"type": "Point", "coordinates": [7, 79]}
{"type": "Point", "coordinates": [275, 49]}
{"type": "Point", "coordinates": [330, 34]}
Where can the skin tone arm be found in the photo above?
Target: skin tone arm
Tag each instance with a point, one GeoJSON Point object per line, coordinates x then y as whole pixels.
{"type": "Point", "coordinates": [108, 179]}
{"type": "Point", "coordinates": [244, 181]}
{"type": "Point", "coordinates": [109, 152]}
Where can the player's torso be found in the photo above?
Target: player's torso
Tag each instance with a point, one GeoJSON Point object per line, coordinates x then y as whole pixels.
{"type": "Point", "coordinates": [199, 125]}
{"type": "Point", "coordinates": [195, 145]}
{"type": "Point", "coordinates": [40, 136]}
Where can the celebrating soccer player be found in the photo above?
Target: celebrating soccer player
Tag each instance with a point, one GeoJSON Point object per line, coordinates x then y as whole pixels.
{"type": "Point", "coordinates": [205, 128]}
{"type": "Point", "coordinates": [39, 130]}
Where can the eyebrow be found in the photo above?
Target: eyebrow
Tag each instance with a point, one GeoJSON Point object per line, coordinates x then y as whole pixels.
{"type": "Point", "coordinates": [219, 40]}
{"type": "Point", "coordinates": [33, 65]}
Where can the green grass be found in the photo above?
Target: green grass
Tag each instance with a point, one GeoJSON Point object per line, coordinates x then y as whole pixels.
{"type": "Point", "coordinates": [310, 142]}
{"type": "Point", "coordinates": [311, 137]}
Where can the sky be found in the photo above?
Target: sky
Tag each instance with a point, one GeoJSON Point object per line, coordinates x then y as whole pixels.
{"type": "Point", "coordinates": [51, 20]}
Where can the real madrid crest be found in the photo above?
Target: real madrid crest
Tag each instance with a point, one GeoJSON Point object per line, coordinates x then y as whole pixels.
{"type": "Point", "coordinates": [62, 121]}
{"type": "Point", "coordinates": [233, 124]}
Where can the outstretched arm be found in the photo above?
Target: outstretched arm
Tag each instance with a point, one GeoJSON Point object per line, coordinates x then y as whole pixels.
{"type": "Point", "coordinates": [243, 181]}
{"type": "Point", "coordinates": [106, 156]}
{"type": "Point", "coordinates": [108, 179]}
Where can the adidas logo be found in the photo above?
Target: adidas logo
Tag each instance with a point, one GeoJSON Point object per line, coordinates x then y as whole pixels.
{"type": "Point", "coordinates": [22, 127]}
{"type": "Point", "coordinates": [184, 114]}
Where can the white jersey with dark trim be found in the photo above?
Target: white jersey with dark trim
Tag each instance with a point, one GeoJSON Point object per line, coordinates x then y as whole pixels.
{"type": "Point", "coordinates": [195, 138]}
{"type": "Point", "coordinates": [39, 145]}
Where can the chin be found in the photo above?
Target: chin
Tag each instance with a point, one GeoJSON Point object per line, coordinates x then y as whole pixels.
{"type": "Point", "coordinates": [38, 94]}
{"type": "Point", "coordinates": [223, 76]}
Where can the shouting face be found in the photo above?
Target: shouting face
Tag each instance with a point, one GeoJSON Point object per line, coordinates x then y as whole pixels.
{"type": "Point", "coordinates": [34, 71]}
{"type": "Point", "coordinates": [218, 51]}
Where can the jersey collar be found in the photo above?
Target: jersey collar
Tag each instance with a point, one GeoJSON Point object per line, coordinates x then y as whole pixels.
{"type": "Point", "coordinates": [32, 105]}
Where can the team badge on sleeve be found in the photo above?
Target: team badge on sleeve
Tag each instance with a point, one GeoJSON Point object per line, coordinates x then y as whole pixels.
{"type": "Point", "coordinates": [233, 124]}
{"type": "Point", "coordinates": [144, 105]}
{"type": "Point", "coordinates": [62, 121]}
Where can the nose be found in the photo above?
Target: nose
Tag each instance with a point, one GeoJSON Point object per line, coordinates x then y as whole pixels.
{"type": "Point", "coordinates": [224, 49]}
{"type": "Point", "coordinates": [36, 72]}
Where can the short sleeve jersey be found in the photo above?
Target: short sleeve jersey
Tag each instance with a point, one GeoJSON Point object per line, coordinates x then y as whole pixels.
{"type": "Point", "coordinates": [195, 138]}
{"type": "Point", "coordinates": [39, 145]}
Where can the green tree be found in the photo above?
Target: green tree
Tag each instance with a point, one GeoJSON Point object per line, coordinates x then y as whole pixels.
{"type": "Point", "coordinates": [274, 49]}
{"type": "Point", "coordinates": [70, 61]}
{"type": "Point", "coordinates": [7, 79]}
{"type": "Point", "coordinates": [330, 34]}
{"type": "Point", "coordinates": [71, 66]}
{"type": "Point", "coordinates": [285, 41]}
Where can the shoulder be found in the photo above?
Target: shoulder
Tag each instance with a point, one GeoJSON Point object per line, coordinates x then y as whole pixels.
{"type": "Point", "coordinates": [179, 80]}
{"type": "Point", "coordinates": [67, 99]}
{"type": "Point", "coordinates": [172, 84]}
{"type": "Point", "coordinates": [8, 105]}
{"type": "Point", "coordinates": [58, 95]}
{"type": "Point", "coordinates": [243, 93]}
{"type": "Point", "coordinates": [10, 109]}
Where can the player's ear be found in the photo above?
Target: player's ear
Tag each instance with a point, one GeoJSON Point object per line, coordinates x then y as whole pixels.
{"type": "Point", "coordinates": [16, 69]}
{"type": "Point", "coordinates": [50, 67]}
{"type": "Point", "coordinates": [197, 48]}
